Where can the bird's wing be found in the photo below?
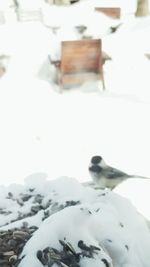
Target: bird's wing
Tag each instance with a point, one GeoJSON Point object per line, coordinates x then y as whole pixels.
{"type": "Point", "coordinates": [115, 173]}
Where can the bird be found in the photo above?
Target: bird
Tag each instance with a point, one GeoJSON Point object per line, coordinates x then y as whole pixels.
{"type": "Point", "coordinates": [106, 176]}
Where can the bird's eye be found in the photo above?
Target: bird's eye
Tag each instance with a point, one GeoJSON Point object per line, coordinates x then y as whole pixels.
{"type": "Point", "coordinates": [96, 159]}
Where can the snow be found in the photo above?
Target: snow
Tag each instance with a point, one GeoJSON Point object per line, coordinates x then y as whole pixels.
{"type": "Point", "coordinates": [39, 138]}
{"type": "Point", "coordinates": [45, 135]}
{"type": "Point", "coordinates": [132, 190]}
{"type": "Point", "coordinates": [101, 219]}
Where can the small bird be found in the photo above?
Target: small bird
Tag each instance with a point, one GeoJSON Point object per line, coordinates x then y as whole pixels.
{"type": "Point", "coordinates": [107, 176]}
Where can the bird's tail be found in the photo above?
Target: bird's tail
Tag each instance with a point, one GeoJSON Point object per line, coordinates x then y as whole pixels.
{"type": "Point", "coordinates": [139, 177]}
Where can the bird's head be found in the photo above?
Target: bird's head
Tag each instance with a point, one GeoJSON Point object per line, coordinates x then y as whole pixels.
{"type": "Point", "coordinates": [98, 161]}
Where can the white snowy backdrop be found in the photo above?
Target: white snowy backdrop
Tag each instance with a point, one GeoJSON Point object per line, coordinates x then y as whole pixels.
{"type": "Point", "coordinates": [48, 134]}
{"type": "Point", "coordinates": [44, 131]}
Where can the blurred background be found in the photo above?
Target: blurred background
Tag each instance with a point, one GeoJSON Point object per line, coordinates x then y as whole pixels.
{"type": "Point", "coordinates": [45, 130]}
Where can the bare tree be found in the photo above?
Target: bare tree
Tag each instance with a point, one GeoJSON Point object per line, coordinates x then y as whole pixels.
{"type": "Point", "coordinates": [142, 8]}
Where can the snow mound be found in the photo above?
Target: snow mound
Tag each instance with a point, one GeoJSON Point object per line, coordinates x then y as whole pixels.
{"type": "Point", "coordinates": [74, 224]}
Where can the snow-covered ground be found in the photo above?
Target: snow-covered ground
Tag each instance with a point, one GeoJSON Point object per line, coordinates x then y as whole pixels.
{"type": "Point", "coordinates": [99, 226]}
{"type": "Point", "coordinates": [45, 133]}
{"type": "Point", "coordinates": [42, 130]}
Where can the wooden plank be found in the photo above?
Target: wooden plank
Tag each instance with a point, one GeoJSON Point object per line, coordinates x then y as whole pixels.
{"type": "Point", "coordinates": [72, 80]}
{"type": "Point", "coordinates": [81, 56]}
{"type": "Point", "coordinates": [114, 12]}
{"type": "Point", "coordinates": [81, 61]}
